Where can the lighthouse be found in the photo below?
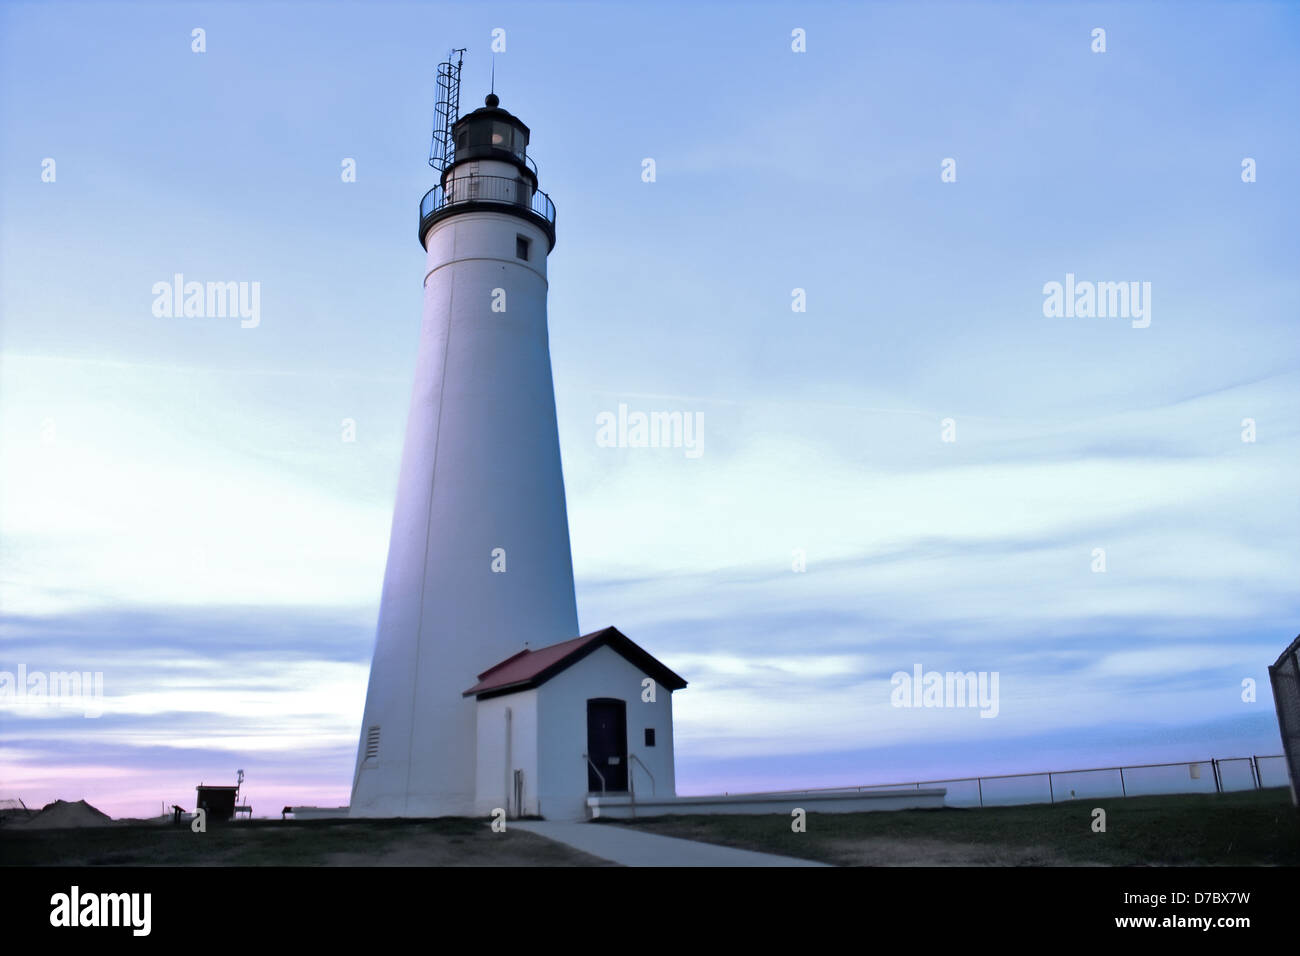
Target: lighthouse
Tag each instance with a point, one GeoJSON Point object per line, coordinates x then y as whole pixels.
{"type": "Point", "coordinates": [479, 566]}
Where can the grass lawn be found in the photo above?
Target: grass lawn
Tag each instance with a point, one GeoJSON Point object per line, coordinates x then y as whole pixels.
{"type": "Point", "coordinates": [1255, 827]}
{"type": "Point", "coordinates": [449, 841]}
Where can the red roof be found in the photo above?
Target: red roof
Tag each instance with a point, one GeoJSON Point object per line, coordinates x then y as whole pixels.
{"type": "Point", "coordinates": [531, 668]}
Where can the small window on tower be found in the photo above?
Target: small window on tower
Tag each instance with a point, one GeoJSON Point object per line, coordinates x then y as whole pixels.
{"type": "Point", "coordinates": [649, 736]}
{"type": "Point", "coordinates": [521, 247]}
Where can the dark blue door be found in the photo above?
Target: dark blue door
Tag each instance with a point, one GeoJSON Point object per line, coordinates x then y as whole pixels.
{"type": "Point", "coordinates": [607, 744]}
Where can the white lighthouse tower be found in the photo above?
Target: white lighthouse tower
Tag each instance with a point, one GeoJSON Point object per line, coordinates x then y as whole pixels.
{"type": "Point", "coordinates": [478, 562]}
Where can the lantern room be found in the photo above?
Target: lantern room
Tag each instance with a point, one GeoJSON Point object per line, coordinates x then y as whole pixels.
{"type": "Point", "coordinates": [493, 133]}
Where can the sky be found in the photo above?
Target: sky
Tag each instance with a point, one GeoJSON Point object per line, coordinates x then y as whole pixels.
{"type": "Point", "coordinates": [180, 510]}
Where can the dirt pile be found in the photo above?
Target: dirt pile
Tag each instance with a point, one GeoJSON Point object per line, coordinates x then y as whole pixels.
{"type": "Point", "coordinates": [61, 815]}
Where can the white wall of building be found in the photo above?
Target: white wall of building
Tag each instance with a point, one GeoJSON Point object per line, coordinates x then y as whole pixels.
{"type": "Point", "coordinates": [777, 804]}
{"type": "Point", "coordinates": [480, 470]}
{"type": "Point", "coordinates": [507, 741]}
{"type": "Point", "coordinates": [562, 732]}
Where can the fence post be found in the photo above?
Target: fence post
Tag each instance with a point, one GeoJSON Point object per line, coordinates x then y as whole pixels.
{"type": "Point", "coordinates": [1051, 795]}
{"type": "Point", "coordinates": [1122, 789]}
{"type": "Point", "coordinates": [1214, 766]}
{"type": "Point", "coordinates": [979, 782]}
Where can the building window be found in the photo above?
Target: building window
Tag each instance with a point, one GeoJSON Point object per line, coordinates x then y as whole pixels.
{"type": "Point", "coordinates": [521, 247]}
{"type": "Point", "coordinates": [649, 736]}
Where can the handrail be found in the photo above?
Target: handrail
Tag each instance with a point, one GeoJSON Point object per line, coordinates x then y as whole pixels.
{"type": "Point", "coordinates": [598, 773]}
{"type": "Point", "coordinates": [632, 756]}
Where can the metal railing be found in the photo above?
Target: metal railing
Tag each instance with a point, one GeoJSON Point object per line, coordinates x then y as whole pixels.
{"type": "Point", "coordinates": [598, 773]}
{"type": "Point", "coordinates": [1285, 678]}
{"type": "Point", "coordinates": [631, 777]}
{"type": "Point", "coordinates": [491, 190]}
{"type": "Point", "coordinates": [1216, 775]}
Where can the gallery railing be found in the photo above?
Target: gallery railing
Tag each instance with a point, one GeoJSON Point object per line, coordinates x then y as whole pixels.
{"type": "Point", "coordinates": [516, 194]}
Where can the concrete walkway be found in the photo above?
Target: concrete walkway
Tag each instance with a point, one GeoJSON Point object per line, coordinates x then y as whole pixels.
{"type": "Point", "coordinates": [632, 847]}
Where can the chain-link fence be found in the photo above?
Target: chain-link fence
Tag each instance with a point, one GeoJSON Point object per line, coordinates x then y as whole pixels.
{"type": "Point", "coordinates": [1216, 775]}
{"type": "Point", "coordinates": [1285, 677]}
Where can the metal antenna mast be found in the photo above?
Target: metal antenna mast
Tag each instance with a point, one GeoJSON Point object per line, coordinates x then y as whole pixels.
{"type": "Point", "coordinates": [446, 110]}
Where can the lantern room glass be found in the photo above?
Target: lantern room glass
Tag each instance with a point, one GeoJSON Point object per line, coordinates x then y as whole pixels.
{"type": "Point", "coordinates": [507, 137]}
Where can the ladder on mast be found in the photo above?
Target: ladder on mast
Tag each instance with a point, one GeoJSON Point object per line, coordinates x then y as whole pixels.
{"type": "Point", "coordinates": [446, 110]}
